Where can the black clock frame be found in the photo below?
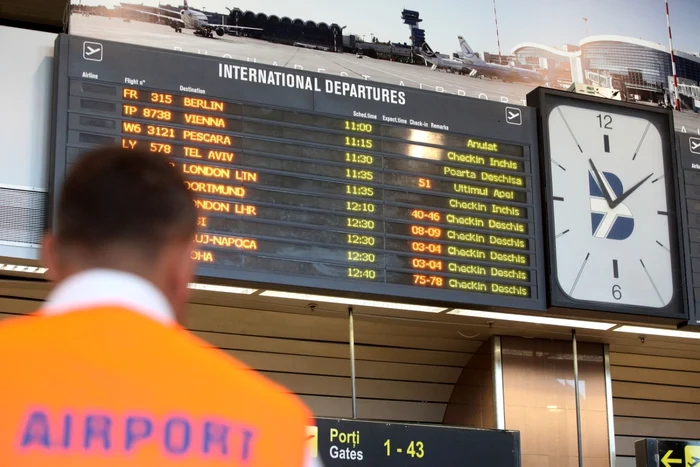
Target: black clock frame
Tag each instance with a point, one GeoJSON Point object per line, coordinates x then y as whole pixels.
{"type": "Point", "coordinates": [545, 100]}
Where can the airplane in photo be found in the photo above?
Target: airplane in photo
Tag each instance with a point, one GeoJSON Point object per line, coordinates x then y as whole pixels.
{"type": "Point", "coordinates": [494, 70]}
{"type": "Point", "coordinates": [438, 61]}
{"type": "Point", "coordinates": [192, 19]}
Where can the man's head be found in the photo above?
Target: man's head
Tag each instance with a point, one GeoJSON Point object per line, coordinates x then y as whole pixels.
{"type": "Point", "coordinates": [126, 210]}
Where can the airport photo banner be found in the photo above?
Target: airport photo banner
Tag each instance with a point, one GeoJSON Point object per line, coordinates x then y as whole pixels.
{"type": "Point", "coordinates": [495, 50]}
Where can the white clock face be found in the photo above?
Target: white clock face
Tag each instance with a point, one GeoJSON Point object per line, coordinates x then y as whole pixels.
{"type": "Point", "coordinates": [610, 208]}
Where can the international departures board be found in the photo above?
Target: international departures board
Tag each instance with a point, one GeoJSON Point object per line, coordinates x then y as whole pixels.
{"type": "Point", "coordinates": [307, 180]}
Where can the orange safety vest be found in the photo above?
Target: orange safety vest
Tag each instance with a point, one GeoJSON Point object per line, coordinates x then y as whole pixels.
{"type": "Point", "coordinates": [110, 387]}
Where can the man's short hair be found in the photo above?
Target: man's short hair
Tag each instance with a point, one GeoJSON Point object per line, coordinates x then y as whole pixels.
{"type": "Point", "coordinates": [117, 197]}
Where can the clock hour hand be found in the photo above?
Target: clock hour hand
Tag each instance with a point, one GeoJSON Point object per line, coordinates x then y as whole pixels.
{"type": "Point", "coordinates": [601, 183]}
{"type": "Point", "coordinates": [624, 195]}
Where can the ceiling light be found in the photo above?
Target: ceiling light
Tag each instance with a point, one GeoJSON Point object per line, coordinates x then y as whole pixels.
{"type": "Point", "coordinates": [22, 268]}
{"type": "Point", "coordinates": [221, 288]}
{"type": "Point", "coordinates": [569, 323]}
{"type": "Point", "coordinates": [658, 332]}
{"type": "Point", "coordinates": [353, 301]}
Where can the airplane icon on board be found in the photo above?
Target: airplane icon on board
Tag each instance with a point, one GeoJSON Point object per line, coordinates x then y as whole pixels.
{"type": "Point", "coordinates": [514, 116]}
{"type": "Point", "coordinates": [695, 145]}
{"type": "Point", "coordinates": [92, 51]}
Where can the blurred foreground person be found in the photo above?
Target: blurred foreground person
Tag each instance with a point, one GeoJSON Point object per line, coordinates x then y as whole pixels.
{"type": "Point", "coordinates": [105, 375]}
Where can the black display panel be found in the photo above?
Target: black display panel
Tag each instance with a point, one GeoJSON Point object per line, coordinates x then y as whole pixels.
{"type": "Point", "coordinates": [305, 181]}
{"type": "Point", "coordinates": [689, 151]}
{"type": "Point", "coordinates": [351, 442]}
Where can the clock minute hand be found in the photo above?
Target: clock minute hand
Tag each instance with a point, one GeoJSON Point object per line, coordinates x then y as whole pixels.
{"type": "Point", "coordinates": [601, 183]}
{"type": "Point", "coordinates": [624, 195]}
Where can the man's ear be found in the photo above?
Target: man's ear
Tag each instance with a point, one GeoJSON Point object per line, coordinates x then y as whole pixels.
{"type": "Point", "coordinates": [186, 266]}
{"type": "Point", "coordinates": [180, 271]}
{"type": "Point", "coordinates": [49, 256]}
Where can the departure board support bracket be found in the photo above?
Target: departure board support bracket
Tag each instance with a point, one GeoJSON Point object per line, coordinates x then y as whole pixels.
{"type": "Point", "coordinates": [351, 326]}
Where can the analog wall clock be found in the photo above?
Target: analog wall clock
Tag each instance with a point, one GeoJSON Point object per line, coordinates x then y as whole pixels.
{"type": "Point", "coordinates": [611, 198]}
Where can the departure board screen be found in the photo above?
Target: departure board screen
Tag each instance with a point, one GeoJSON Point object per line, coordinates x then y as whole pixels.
{"type": "Point", "coordinates": [689, 150]}
{"type": "Point", "coordinates": [310, 181]}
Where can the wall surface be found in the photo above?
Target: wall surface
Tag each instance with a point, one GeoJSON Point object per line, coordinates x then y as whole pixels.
{"type": "Point", "coordinates": [538, 386]}
{"type": "Point", "coordinates": [25, 115]}
{"type": "Point", "coordinates": [405, 371]}
{"type": "Point", "coordinates": [472, 400]}
{"type": "Point", "coordinates": [654, 396]}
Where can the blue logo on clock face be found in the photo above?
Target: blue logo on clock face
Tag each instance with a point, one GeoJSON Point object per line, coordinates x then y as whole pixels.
{"type": "Point", "coordinates": [613, 224]}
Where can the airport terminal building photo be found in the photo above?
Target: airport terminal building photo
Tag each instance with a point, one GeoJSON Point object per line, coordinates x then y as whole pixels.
{"type": "Point", "coordinates": [642, 67]}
